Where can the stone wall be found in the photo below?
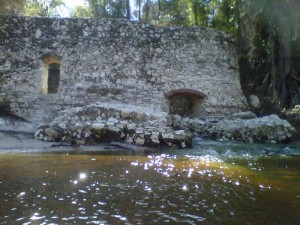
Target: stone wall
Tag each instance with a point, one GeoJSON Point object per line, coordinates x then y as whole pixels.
{"type": "Point", "coordinates": [115, 61]}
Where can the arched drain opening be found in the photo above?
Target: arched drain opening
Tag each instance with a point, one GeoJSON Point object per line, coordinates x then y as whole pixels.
{"type": "Point", "coordinates": [184, 102]}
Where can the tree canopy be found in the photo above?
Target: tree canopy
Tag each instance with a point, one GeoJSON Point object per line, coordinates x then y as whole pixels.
{"type": "Point", "coordinates": [31, 7]}
{"type": "Point", "coordinates": [13, 7]}
{"type": "Point", "coordinates": [43, 8]}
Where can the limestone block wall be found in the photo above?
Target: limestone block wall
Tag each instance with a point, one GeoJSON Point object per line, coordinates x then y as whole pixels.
{"type": "Point", "coordinates": [115, 61]}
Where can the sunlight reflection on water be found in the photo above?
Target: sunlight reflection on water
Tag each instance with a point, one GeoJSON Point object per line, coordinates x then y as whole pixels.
{"type": "Point", "coordinates": [154, 189]}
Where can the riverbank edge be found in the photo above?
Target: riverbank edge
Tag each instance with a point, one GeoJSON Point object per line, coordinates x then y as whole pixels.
{"type": "Point", "coordinates": [20, 136]}
{"type": "Point", "coordinates": [17, 142]}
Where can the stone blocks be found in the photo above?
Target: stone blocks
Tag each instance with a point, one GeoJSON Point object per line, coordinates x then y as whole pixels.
{"type": "Point", "coordinates": [116, 61]}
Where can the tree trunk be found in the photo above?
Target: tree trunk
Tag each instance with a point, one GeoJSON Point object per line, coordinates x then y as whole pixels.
{"type": "Point", "coordinates": [103, 9]}
{"type": "Point", "coordinates": [147, 10]}
{"type": "Point", "coordinates": [239, 24]}
{"type": "Point", "coordinates": [94, 5]}
{"type": "Point", "coordinates": [195, 11]}
{"type": "Point", "coordinates": [139, 10]}
{"type": "Point", "coordinates": [285, 67]}
{"type": "Point", "coordinates": [128, 16]}
{"type": "Point", "coordinates": [159, 9]}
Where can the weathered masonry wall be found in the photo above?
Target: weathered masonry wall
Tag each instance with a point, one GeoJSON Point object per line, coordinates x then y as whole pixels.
{"type": "Point", "coordinates": [115, 61]}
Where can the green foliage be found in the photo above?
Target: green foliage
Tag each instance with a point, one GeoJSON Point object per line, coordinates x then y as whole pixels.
{"type": "Point", "coordinates": [108, 8]}
{"type": "Point", "coordinates": [81, 12]}
{"type": "Point", "coordinates": [296, 109]}
{"type": "Point", "coordinates": [5, 108]}
{"type": "Point", "coordinates": [12, 7]}
{"type": "Point", "coordinates": [31, 7]}
{"type": "Point", "coordinates": [173, 12]}
{"type": "Point", "coordinates": [262, 135]}
{"type": "Point", "coordinates": [268, 46]}
{"type": "Point", "coordinates": [43, 7]}
{"type": "Point", "coordinates": [199, 11]}
{"type": "Point", "coordinates": [227, 16]}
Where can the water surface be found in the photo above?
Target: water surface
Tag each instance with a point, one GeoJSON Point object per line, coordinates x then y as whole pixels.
{"type": "Point", "coordinates": [211, 184]}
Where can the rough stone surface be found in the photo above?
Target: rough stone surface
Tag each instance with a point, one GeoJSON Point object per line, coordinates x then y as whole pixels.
{"type": "Point", "coordinates": [116, 61]}
{"type": "Point", "coordinates": [254, 101]}
{"type": "Point", "coordinates": [118, 80]}
{"type": "Point", "coordinates": [242, 115]}
{"type": "Point", "coordinates": [2, 122]}
{"type": "Point", "coordinates": [268, 129]}
{"type": "Point", "coordinates": [85, 125]}
{"type": "Point", "coordinates": [196, 126]}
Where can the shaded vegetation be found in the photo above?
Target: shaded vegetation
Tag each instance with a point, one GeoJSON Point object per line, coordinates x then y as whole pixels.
{"type": "Point", "coordinates": [5, 109]}
{"type": "Point", "coordinates": [31, 7]}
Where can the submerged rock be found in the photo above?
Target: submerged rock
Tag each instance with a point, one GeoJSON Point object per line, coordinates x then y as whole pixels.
{"type": "Point", "coordinates": [268, 129]}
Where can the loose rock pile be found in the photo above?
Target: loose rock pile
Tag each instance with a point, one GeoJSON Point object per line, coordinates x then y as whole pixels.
{"type": "Point", "coordinates": [113, 122]}
{"type": "Point", "coordinates": [192, 125]}
{"type": "Point", "coordinates": [268, 129]}
{"type": "Point", "coordinates": [103, 122]}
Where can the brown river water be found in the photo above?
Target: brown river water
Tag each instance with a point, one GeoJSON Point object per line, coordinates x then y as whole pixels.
{"type": "Point", "coordinates": [213, 183]}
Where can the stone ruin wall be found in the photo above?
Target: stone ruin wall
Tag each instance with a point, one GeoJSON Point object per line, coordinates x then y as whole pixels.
{"type": "Point", "coordinates": [115, 61]}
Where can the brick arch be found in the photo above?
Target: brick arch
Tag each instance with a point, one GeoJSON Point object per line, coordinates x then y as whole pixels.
{"type": "Point", "coordinates": [186, 92]}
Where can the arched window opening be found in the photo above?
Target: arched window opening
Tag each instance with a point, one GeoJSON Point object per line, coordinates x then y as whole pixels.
{"type": "Point", "coordinates": [53, 78]}
{"type": "Point", "coordinates": [184, 102]}
{"type": "Point", "coordinates": [51, 73]}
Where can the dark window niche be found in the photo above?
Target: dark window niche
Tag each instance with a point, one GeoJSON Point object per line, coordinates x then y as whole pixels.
{"type": "Point", "coordinates": [53, 77]}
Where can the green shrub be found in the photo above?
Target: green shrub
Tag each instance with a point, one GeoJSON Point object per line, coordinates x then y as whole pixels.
{"type": "Point", "coordinates": [5, 108]}
{"type": "Point", "coordinates": [296, 109]}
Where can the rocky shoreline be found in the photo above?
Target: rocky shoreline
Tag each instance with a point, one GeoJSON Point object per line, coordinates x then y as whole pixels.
{"type": "Point", "coordinates": [98, 123]}
{"type": "Point", "coordinates": [267, 129]}
{"type": "Point", "coordinates": [133, 126]}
